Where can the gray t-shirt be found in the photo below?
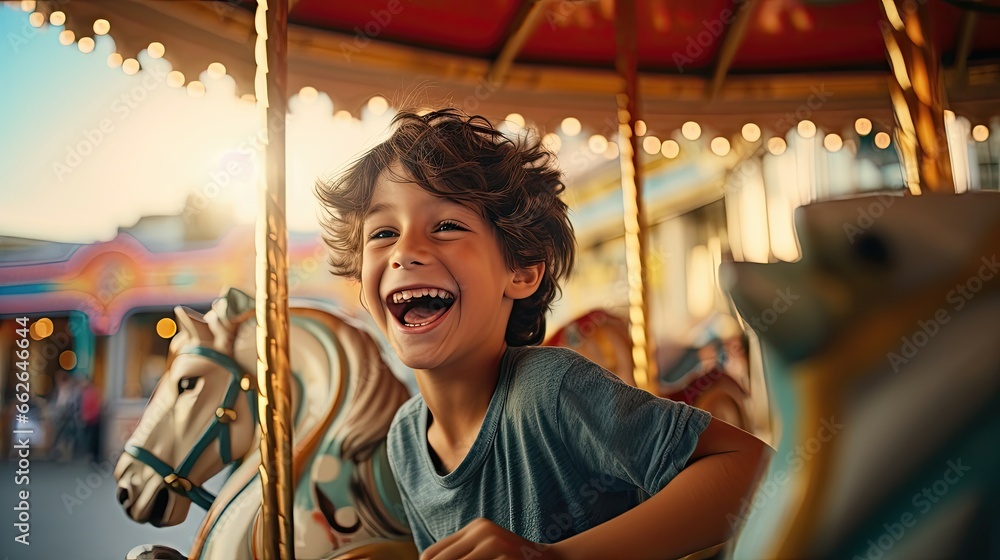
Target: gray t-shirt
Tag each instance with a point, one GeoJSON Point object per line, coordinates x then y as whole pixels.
{"type": "Point", "coordinates": [565, 446]}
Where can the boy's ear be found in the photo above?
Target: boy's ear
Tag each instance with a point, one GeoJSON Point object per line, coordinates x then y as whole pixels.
{"type": "Point", "coordinates": [525, 281]}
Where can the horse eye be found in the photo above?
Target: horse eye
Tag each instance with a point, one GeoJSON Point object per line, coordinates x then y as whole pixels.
{"type": "Point", "coordinates": [186, 384]}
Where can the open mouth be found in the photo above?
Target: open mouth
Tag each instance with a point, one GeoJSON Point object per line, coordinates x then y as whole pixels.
{"type": "Point", "coordinates": [419, 307]}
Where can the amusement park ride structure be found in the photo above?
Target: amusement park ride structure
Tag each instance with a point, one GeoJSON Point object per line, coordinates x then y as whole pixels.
{"type": "Point", "coordinates": [783, 63]}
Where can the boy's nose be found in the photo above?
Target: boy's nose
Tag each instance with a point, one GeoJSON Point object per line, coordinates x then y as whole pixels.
{"type": "Point", "coordinates": [410, 251]}
{"type": "Point", "coordinates": [398, 263]}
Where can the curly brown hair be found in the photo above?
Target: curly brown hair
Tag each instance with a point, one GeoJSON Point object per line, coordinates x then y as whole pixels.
{"type": "Point", "coordinates": [513, 184]}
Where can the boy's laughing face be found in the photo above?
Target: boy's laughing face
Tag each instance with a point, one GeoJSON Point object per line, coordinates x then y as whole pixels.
{"type": "Point", "coordinates": [433, 278]}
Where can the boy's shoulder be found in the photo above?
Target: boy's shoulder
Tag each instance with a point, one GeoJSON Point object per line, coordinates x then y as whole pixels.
{"type": "Point", "coordinates": [539, 374]}
{"type": "Point", "coordinates": [546, 357]}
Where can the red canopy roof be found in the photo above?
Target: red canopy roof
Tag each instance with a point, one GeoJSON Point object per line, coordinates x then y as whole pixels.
{"type": "Point", "coordinates": [783, 35]}
{"type": "Point", "coordinates": [561, 57]}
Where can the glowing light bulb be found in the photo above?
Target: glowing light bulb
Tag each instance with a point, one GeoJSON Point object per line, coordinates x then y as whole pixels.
{"type": "Point", "coordinates": [980, 133]}
{"type": "Point", "coordinates": [720, 146]}
{"type": "Point", "coordinates": [612, 151]}
{"type": "Point", "coordinates": [378, 105]}
{"type": "Point", "coordinates": [833, 142]}
{"type": "Point", "coordinates": [166, 327]}
{"type": "Point", "coordinates": [863, 126]}
{"type": "Point", "coordinates": [175, 79]}
{"type": "Point", "coordinates": [882, 140]}
{"type": "Point", "coordinates": [86, 45]}
{"type": "Point", "coordinates": [652, 145]}
{"type": "Point", "coordinates": [102, 27]}
{"type": "Point", "coordinates": [130, 66]}
{"type": "Point", "coordinates": [776, 145]}
{"type": "Point", "coordinates": [552, 142]}
{"type": "Point", "coordinates": [308, 94]}
{"type": "Point", "coordinates": [807, 129]}
{"type": "Point", "coordinates": [670, 149]}
{"type": "Point", "coordinates": [196, 89]}
{"type": "Point", "coordinates": [515, 121]}
{"type": "Point", "coordinates": [597, 144]}
{"type": "Point", "coordinates": [156, 50]}
{"type": "Point", "coordinates": [691, 130]}
{"type": "Point", "coordinates": [67, 360]}
{"type": "Point", "coordinates": [571, 126]}
{"type": "Point", "coordinates": [216, 70]}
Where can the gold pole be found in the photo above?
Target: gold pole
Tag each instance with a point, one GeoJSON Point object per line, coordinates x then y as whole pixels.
{"type": "Point", "coordinates": [273, 372]}
{"type": "Point", "coordinates": [918, 100]}
{"type": "Point", "coordinates": [627, 62]}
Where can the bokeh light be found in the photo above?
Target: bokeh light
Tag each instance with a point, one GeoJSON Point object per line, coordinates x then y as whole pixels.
{"type": "Point", "coordinates": [651, 144]}
{"type": "Point", "coordinates": [571, 126]}
{"type": "Point", "coordinates": [980, 133]}
{"type": "Point", "coordinates": [751, 132]}
{"type": "Point", "coordinates": [597, 144]}
{"type": "Point", "coordinates": [720, 146]}
{"type": "Point", "coordinates": [41, 329]}
{"type": "Point", "coordinates": [863, 126]}
{"type": "Point", "coordinates": [776, 145]}
{"type": "Point", "coordinates": [67, 360]}
{"type": "Point", "coordinates": [670, 149]}
{"type": "Point", "coordinates": [691, 130]}
{"type": "Point", "coordinates": [102, 27]}
{"type": "Point", "coordinates": [156, 50]}
{"type": "Point", "coordinates": [166, 327]}
{"type": "Point", "coordinates": [882, 140]}
{"type": "Point", "coordinates": [378, 105]}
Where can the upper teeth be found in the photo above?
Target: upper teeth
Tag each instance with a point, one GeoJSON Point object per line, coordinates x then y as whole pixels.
{"type": "Point", "coordinates": [404, 296]}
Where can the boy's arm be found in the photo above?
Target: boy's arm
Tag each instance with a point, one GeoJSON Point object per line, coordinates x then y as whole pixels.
{"type": "Point", "coordinates": [687, 515]}
{"type": "Point", "coordinates": [691, 512]}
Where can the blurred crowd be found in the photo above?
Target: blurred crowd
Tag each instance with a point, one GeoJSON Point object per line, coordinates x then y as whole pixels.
{"type": "Point", "coordinates": [66, 423]}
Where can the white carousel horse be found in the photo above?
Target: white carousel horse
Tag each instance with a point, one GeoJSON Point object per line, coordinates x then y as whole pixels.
{"type": "Point", "coordinates": [885, 365]}
{"type": "Point", "coordinates": [202, 417]}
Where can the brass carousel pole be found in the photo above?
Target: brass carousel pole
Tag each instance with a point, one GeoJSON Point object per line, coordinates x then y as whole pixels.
{"type": "Point", "coordinates": [273, 370]}
{"type": "Point", "coordinates": [627, 62]}
{"type": "Point", "coordinates": [918, 100]}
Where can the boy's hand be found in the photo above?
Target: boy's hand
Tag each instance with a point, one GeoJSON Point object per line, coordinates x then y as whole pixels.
{"type": "Point", "coordinates": [484, 540]}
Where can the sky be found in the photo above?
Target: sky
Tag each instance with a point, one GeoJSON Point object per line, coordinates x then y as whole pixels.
{"type": "Point", "coordinates": [86, 149]}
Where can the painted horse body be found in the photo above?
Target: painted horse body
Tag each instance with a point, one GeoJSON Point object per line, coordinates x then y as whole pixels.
{"type": "Point", "coordinates": [603, 338]}
{"type": "Point", "coordinates": [202, 417]}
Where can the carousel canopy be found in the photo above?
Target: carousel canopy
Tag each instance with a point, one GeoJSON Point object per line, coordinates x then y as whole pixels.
{"type": "Point", "coordinates": [717, 62]}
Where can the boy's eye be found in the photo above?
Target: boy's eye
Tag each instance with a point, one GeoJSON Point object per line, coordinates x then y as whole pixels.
{"type": "Point", "coordinates": [381, 234]}
{"type": "Point", "coordinates": [449, 226]}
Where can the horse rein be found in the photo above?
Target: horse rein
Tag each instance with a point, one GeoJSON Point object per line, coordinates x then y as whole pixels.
{"type": "Point", "coordinates": [176, 479]}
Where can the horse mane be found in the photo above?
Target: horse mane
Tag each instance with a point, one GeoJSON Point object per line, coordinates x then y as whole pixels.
{"type": "Point", "coordinates": [363, 398]}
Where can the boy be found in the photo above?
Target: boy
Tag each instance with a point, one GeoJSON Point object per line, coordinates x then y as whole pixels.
{"type": "Point", "coordinates": [459, 239]}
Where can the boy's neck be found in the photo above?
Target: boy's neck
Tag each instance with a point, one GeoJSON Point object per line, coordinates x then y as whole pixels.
{"type": "Point", "coordinates": [458, 398]}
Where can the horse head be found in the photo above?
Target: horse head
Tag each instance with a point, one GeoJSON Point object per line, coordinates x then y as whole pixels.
{"type": "Point", "coordinates": [200, 418]}
{"type": "Point", "coordinates": [882, 355]}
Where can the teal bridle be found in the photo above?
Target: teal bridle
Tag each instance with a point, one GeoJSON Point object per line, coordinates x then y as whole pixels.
{"type": "Point", "coordinates": [176, 479]}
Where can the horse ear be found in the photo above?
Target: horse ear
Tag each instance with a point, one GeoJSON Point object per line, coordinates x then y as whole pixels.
{"type": "Point", "coordinates": [238, 304]}
{"type": "Point", "coordinates": [190, 321]}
